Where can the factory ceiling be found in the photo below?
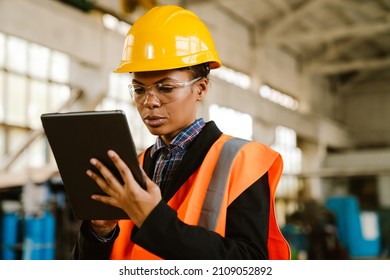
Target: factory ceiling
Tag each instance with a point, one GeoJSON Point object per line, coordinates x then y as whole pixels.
{"type": "Point", "coordinates": [346, 40]}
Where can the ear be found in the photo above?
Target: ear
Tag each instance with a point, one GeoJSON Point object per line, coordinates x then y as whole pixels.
{"type": "Point", "coordinates": [203, 88]}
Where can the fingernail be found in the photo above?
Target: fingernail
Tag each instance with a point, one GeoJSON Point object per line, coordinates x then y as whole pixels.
{"type": "Point", "coordinates": [93, 161]}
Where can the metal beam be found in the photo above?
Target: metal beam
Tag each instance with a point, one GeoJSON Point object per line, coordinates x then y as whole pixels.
{"type": "Point", "coordinates": [367, 30]}
{"type": "Point", "coordinates": [290, 18]}
{"type": "Point", "coordinates": [337, 68]}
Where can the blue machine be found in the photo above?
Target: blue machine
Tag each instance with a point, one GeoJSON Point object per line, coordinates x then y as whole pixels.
{"type": "Point", "coordinates": [28, 228]}
{"type": "Point", "coordinates": [9, 235]}
{"type": "Point", "coordinates": [358, 231]}
{"type": "Point", "coordinates": [39, 237]}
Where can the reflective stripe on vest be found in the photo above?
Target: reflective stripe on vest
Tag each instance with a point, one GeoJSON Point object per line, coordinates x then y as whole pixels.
{"type": "Point", "coordinates": [213, 201]}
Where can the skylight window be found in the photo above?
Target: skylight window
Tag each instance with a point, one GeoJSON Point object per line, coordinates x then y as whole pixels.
{"type": "Point", "coordinates": [278, 97]}
{"type": "Point", "coordinates": [233, 77]}
{"type": "Point", "coordinates": [114, 24]}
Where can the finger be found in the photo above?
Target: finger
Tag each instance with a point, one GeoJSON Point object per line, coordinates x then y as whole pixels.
{"type": "Point", "coordinates": [148, 182]}
{"type": "Point", "coordinates": [123, 169]}
{"type": "Point", "coordinates": [105, 199]}
{"type": "Point", "coordinates": [151, 186]}
{"type": "Point", "coordinates": [102, 183]}
{"type": "Point", "coordinates": [109, 178]}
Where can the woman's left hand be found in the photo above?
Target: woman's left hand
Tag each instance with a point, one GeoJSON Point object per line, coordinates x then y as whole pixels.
{"type": "Point", "coordinates": [130, 197]}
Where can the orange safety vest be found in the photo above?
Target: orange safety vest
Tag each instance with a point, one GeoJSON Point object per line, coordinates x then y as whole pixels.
{"type": "Point", "coordinates": [248, 162]}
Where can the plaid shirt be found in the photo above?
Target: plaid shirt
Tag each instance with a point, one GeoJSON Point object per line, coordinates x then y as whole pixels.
{"type": "Point", "coordinates": [168, 158]}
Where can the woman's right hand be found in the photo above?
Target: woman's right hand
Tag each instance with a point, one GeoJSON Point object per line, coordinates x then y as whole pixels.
{"type": "Point", "coordinates": [103, 227]}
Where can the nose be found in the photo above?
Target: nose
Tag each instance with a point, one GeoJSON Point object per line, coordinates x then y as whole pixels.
{"type": "Point", "coordinates": [151, 100]}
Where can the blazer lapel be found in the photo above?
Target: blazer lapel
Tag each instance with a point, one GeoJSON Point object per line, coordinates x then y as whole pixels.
{"type": "Point", "coordinates": [191, 161]}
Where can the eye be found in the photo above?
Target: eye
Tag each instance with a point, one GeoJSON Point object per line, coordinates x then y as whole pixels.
{"type": "Point", "coordinates": [165, 88]}
{"type": "Point", "coordinates": [138, 90]}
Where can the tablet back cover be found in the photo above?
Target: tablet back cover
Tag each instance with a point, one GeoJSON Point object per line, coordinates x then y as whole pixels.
{"type": "Point", "coordinates": [75, 138]}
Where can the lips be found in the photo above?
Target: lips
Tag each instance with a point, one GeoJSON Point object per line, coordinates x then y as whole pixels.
{"type": "Point", "coordinates": [154, 120]}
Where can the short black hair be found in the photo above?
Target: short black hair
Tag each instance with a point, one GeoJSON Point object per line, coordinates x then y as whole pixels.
{"type": "Point", "coordinates": [199, 70]}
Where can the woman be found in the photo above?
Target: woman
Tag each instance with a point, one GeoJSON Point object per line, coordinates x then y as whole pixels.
{"type": "Point", "coordinates": [208, 195]}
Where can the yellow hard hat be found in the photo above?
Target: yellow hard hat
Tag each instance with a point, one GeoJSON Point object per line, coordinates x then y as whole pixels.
{"type": "Point", "coordinates": [167, 37]}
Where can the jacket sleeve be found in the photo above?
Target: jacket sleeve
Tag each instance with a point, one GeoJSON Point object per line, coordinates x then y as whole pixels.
{"type": "Point", "coordinates": [88, 247]}
{"type": "Point", "coordinates": [165, 235]}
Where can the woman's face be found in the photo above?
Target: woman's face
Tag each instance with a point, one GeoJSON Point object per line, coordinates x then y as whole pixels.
{"type": "Point", "coordinates": [168, 116]}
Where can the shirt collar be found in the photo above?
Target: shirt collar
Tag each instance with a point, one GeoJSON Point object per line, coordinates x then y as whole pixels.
{"type": "Point", "coordinates": [182, 140]}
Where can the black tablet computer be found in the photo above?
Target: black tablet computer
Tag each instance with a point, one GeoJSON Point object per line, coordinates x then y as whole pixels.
{"type": "Point", "coordinates": [75, 138]}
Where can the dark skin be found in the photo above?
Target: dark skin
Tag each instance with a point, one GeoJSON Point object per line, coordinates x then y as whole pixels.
{"type": "Point", "coordinates": [163, 119]}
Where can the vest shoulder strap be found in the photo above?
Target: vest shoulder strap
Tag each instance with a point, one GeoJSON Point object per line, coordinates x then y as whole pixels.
{"type": "Point", "coordinates": [213, 201]}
